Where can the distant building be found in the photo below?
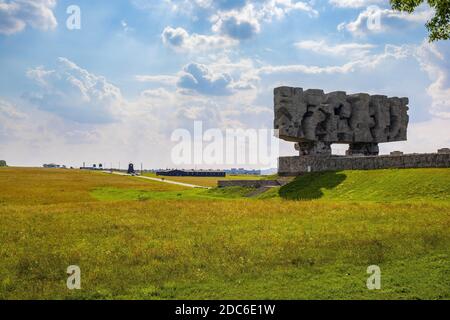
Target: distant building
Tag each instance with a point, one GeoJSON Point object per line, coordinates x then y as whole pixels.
{"type": "Point", "coordinates": [242, 171]}
{"type": "Point", "coordinates": [52, 166]}
{"type": "Point", "coordinates": [191, 173]}
{"type": "Point", "coordinates": [444, 151]}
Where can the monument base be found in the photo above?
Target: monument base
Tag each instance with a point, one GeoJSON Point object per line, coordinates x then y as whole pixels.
{"type": "Point", "coordinates": [292, 166]}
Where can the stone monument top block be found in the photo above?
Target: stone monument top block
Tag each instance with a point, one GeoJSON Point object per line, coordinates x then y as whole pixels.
{"type": "Point", "coordinates": [315, 120]}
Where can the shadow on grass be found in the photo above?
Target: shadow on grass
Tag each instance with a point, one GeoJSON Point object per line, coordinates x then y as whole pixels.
{"type": "Point", "coordinates": [310, 185]}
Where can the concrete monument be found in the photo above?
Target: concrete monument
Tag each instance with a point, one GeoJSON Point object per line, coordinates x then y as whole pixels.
{"type": "Point", "coordinates": [315, 120]}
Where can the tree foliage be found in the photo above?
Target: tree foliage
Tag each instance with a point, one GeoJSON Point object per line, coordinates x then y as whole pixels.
{"type": "Point", "coordinates": [439, 25]}
{"type": "Point", "coordinates": [2, 163]}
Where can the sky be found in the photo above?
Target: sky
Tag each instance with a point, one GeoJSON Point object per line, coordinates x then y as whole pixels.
{"type": "Point", "coordinates": [114, 88]}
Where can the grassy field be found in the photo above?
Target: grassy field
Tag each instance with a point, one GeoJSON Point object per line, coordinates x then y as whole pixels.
{"type": "Point", "coordinates": [205, 181]}
{"type": "Point", "coordinates": [138, 239]}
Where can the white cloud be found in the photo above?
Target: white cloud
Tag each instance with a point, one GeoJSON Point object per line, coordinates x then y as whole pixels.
{"type": "Point", "coordinates": [62, 121]}
{"type": "Point", "coordinates": [159, 93]}
{"type": "Point", "coordinates": [36, 137]}
{"type": "Point", "coordinates": [423, 137]}
{"type": "Point", "coordinates": [245, 22]}
{"type": "Point", "coordinates": [238, 24]}
{"type": "Point", "coordinates": [7, 110]}
{"type": "Point", "coordinates": [20, 123]}
{"type": "Point", "coordinates": [10, 120]}
{"type": "Point", "coordinates": [236, 19]}
{"type": "Point", "coordinates": [344, 49]}
{"type": "Point", "coordinates": [143, 131]}
{"type": "Point", "coordinates": [17, 14]}
{"type": "Point", "coordinates": [433, 61]}
{"type": "Point", "coordinates": [207, 112]}
{"type": "Point", "coordinates": [218, 76]}
{"type": "Point", "coordinates": [161, 79]}
{"type": "Point", "coordinates": [365, 62]}
{"type": "Point", "coordinates": [375, 20]}
{"type": "Point", "coordinates": [354, 3]}
{"type": "Point", "coordinates": [76, 94]}
{"type": "Point", "coordinates": [307, 69]}
{"type": "Point", "coordinates": [180, 39]}
{"type": "Point", "coordinates": [199, 78]}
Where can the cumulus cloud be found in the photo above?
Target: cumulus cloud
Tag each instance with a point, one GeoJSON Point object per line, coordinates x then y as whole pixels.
{"type": "Point", "coordinates": [180, 39]}
{"type": "Point", "coordinates": [245, 22]}
{"type": "Point", "coordinates": [228, 111]}
{"type": "Point", "coordinates": [375, 20]}
{"type": "Point", "coordinates": [220, 77]}
{"type": "Point", "coordinates": [237, 28]}
{"type": "Point", "coordinates": [344, 49]}
{"type": "Point", "coordinates": [236, 19]}
{"type": "Point", "coordinates": [199, 78]}
{"type": "Point", "coordinates": [74, 93]}
{"type": "Point", "coordinates": [17, 14]}
{"type": "Point", "coordinates": [224, 77]}
{"type": "Point", "coordinates": [241, 25]}
{"type": "Point", "coordinates": [432, 59]}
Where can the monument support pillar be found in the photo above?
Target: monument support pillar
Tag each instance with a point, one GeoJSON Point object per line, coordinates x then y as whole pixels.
{"type": "Point", "coordinates": [364, 148]}
{"type": "Point", "coordinates": [313, 148]}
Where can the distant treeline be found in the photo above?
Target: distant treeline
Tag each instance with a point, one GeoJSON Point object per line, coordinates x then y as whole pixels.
{"type": "Point", "coordinates": [3, 163]}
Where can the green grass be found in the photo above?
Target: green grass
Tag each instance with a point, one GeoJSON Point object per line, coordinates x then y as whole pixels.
{"type": "Point", "coordinates": [136, 239]}
{"type": "Point", "coordinates": [28, 186]}
{"type": "Point", "coordinates": [376, 185]}
{"type": "Point", "coordinates": [121, 194]}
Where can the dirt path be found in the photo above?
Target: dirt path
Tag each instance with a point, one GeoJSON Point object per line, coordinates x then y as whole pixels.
{"type": "Point", "coordinates": [161, 180]}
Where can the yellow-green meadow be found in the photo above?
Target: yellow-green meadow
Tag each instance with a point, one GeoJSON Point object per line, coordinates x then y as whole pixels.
{"type": "Point", "coordinates": [139, 239]}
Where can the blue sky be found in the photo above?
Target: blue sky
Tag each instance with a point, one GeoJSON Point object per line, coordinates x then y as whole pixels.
{"type": "Point", "coordinates": [139, 69]}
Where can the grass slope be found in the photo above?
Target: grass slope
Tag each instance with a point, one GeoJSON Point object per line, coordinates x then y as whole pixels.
{"type": "Point", "coordinates": [212, 248]}
{"type": "Point", "coordinates": [376, 185]}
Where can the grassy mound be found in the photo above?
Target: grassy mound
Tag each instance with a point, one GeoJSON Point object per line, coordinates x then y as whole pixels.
{"type": "Point", "coordinates": [374, 185]}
